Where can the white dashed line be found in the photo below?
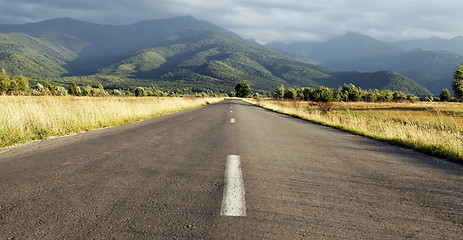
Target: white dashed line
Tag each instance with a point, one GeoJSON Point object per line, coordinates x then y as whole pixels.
{"type": "Point", "coordinates": [232, 120]}
{"type": "Point", "coordinates": [233, 202]}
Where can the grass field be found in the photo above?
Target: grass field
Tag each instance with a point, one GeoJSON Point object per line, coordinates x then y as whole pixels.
{"type": "Point", "coordinates": [26, 118]}
{"type": "Point", "coordinates": [431, 127]}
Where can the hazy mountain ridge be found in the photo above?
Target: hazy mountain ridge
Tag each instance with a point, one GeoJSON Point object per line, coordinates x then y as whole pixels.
{"type": "Point", "coordinates": [430, 68]}
{"type": "Point", "coordinates": [454, 45]}
{"type": "Point", "coordinates": [177, 53]}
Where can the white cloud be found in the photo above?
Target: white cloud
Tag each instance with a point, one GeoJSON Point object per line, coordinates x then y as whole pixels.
{"type": "Point", "coordinates": [264, 20]}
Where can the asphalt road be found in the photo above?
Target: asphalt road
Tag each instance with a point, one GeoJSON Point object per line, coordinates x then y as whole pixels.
{"type": "Point", "coordinates": [164, 179]}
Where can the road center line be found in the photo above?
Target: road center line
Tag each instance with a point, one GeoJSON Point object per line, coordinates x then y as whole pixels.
{"type": "Point", "coordinates": [232, 120]}
{"type": "Point", "coordinates": [233, 202]}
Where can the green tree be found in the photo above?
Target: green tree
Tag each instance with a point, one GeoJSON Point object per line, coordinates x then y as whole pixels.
{"type": "Point", "coordinates": [279, 92]}
{"type": "Point", "coordinates": [308, 93]}
{"type": "Point", "coordinates": [398, 96]}
{"type": "Point", "coordinates": [290, 93]}
{"type": "Point", "coordinates": [140, 92]}
{"type": "Point", "coordinates": [100, 91]}
{"type": "Point", "coordinates": [243, 89]}
{"type": "Point", "coordinates": [412, 98]}
{"type": "Point", "coordinates": [386, 95]}
{"type": "Point", "coordinates": [73, 89]}
{"type": "Point", "coordinates": [4, 82]}
{"type": "Point", "coordinates": [349, 93]}
{"type": "Point", "coordinates": [445, 95]}
{"type": "Point", "coordinates": [371, 96]}
{"type": "Point", "coordinates": [323, 94]}
{"type": "Point", "coordinates": [88, 91]}
{"type": "Point", "coordinates": [300, 93]}
{"type": "Point", "coordinates": [457, 84]}
{"type": "Point", "coordinates": [22, 83]}
{"type": "Point", "coordinates": [49, 88]}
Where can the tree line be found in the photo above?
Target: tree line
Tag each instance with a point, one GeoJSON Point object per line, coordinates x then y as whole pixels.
{"type": "Point", "coordinates": [19, 85]}
{"type": "Point", "coordinates": [349, 92]}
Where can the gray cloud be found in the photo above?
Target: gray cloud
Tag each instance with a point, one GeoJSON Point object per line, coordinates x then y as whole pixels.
{"type": "Point", "coordinates": [263, 20]}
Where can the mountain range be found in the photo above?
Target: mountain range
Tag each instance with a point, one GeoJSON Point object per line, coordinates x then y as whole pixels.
{"type": "Point", "coordinates": [178, 54]}
{"type": "Point", "coordinates": [429, 62]}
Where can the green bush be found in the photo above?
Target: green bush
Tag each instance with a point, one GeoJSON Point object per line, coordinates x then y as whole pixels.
{"type": "Point", "coordinates": [399, 96]}
{"type": "Point", "coordinates": [349, 93]}
{"type": "Point", "coordinates": [290, 93]}
{"type": "Point", "coordinates": [445, 95]}
{"type": "Point", "coordinates": [279, 92]}
{"type": "Point", "coordinates": [323, 94]}
{"type": "Point", "coordinates": [140, 92]}
{"type": "Point", "coordinates": [243, 89]}
{"type": "Point", "coordinates": [308, 93]}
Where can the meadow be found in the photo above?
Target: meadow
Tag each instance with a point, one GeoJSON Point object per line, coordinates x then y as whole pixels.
{"type": "Point", "coordinates": [434, 128]}
{"type": "Point", "coordinates": [26, 118]}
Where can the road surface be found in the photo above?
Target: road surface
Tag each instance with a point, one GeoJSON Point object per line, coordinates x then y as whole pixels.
{"type": "Point", "coordinates": [164, 178]}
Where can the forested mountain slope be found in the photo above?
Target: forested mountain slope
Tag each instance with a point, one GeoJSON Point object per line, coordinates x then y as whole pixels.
{"type": "Point", "coordinates": [176, 53]}
{"type": "Point", "coordinates": [430, 68]}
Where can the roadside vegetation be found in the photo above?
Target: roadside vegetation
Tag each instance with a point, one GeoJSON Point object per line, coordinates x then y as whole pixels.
{"type": "Point", "coordinates": [433, 125]}
{"type": "Point", "coordinates": [26, 118]}
{"type": "Point", "coordinates": [434, 128]}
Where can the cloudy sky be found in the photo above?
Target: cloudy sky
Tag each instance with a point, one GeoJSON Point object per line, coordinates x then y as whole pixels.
{"type": "Point", "coordinates": [264, 20]}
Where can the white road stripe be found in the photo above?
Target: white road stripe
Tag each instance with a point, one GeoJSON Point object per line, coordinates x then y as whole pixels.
{"type": "Point", "coordinates": [233, 202]}
{"type": "Point", "coordinates": [232, 120]}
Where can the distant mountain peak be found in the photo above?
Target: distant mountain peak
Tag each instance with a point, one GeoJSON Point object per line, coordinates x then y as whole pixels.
{"type": "Point", "coordinates": [353, 36]}
{"type": "Point", "coordinates": [62, 21]}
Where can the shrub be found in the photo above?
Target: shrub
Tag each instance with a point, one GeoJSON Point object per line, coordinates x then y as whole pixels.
{"type": "Point", "coordinates": [140, 92]}
{"type": "Point", "coordinates": [371, 96]}
{"type": "Point", "coordinates": [398, 96]}
{"type": "Point", "coordinates": [73, 89]}
{"type": "Point", "coordinates": [445, 95]}
{"type": "Point", "coordinates": [243, 89]}
{"type": "Point", "coordinates": [61, 91]}
{"type": "Point", "coordinates": [308, 93]}
{"type": "Point", "coordinates": [4, 82]}
{"type": "Point", "coordinates": [116, 92]}
{"type": "Point", "coordinates": [41, 90]}
{"type": "Point", "coordinates": [349, 93]}
{"type": "Point", "coordinates": [386, 95]}
{"type": "Point", "coordinates": [411, 97]}
{"type": "Point", "coordinates": [290, 93]}
{"type": "Point", "coordinates": [279, 92]}
{"type": "Point", "coordinates": [87, 91]}
{"type": "Point", "coordinates": [326, 107]}
{"type": "Point", "coordinates": [323, 94]}
{"type": "Point", "coordinates": [300, 93]}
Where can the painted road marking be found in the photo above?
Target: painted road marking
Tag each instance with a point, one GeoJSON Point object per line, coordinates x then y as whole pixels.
{"type": "Point", "coordinates": [231, 111]}
{"type": "Point", "coordinates": [232, 120]}
{"type": "Point", "coordinates": [233, 202]}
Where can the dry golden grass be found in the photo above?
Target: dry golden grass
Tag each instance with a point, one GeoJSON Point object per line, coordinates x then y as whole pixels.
{"type": "Point", "coordinates": [435, 128]}
{"type": "Point", "coordinates": [25, 118]}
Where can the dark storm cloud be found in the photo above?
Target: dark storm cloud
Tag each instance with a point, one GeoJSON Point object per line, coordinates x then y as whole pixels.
{"type": "Point", "coordinates": [264, 20]}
